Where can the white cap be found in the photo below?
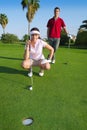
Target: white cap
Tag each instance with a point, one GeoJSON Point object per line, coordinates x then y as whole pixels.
{"type": "Point", "coordinates": [35, 32]}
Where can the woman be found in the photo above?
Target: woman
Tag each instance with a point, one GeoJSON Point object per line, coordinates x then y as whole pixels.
{"type": "Point", "coordinates": [33, 55]}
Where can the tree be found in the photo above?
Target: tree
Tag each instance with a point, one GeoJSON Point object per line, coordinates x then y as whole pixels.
{"type": "Point", "coordinates": [25, 37]}
{"type": "Point", "coordinates": [81, 40]}
{"type": "Point", "coordinates": [31, 6]}
{"type": "Point", "coordinates": [83, 27]}
{"type": "Point", "coordinates": [3, 21]}
{"type": "Point", "coordinates": [9, 38]}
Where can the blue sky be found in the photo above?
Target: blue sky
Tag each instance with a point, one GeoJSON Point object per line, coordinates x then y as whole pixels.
{"type": "Point", "coordinates": [72, 11]}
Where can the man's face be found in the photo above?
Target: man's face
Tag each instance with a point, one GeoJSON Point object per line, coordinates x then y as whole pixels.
{"type": "Point", "coordinates": [56, 12]}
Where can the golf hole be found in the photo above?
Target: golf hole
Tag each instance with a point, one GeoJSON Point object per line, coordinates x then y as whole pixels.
{"type": "Point", "coordinates": [27, 121]}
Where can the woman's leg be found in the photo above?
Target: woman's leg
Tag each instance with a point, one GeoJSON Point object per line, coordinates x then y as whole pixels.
{"type": "Point", "coordinates": [26, 64]}
{"type": "Point", "coordinates": [44, 66]}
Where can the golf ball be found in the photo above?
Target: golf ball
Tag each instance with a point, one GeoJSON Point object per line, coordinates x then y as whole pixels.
{"type": "Point", "coordinates": [31, 88]}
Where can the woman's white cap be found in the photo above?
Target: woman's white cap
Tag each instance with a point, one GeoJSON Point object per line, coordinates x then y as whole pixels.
{"type": "Point", "coordinates": [34, 32]}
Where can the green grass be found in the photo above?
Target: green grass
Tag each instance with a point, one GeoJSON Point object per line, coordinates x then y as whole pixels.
{"type": "Point", "coordinates": [58, 100]}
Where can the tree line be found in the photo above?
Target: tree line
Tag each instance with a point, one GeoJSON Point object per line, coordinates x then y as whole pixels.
{"type": "Point", "coordinates": [31, 7]}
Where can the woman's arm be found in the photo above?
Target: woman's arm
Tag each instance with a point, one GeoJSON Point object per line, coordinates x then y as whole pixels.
{"type": "Point", "coordinates": [27, 49]}
{"type": "Point", "coordinates": [51, 50]}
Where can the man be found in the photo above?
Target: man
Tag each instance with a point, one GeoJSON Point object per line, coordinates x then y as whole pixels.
{"type": "Point", "coordinates": [54, 27]}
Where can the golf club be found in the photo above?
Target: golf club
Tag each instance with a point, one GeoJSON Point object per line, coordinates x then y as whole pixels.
{"type": "Point", "coordinates": [31, 86]}
{"type": "Point", "coordinates": [70, 37]}
{"type": "Point", "coordinates": [69, 43]}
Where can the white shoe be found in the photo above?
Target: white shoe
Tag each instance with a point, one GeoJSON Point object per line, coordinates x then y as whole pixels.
{"type": "Point", "coordinates": [30, 74]}
{"type": "Point", "coordinates": [41, 73]}
{"type": "Point", "coordinates": [53, 61]}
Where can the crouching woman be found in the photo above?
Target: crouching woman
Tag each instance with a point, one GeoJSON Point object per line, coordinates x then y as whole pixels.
{"type": "Point", "coordinates": [33, 55]}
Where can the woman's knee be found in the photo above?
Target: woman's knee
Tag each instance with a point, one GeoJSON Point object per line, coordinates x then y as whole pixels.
{"type": "Point", "coordinates": [25, 64]}
{"type": "Point", "coordinates": [48, 66]}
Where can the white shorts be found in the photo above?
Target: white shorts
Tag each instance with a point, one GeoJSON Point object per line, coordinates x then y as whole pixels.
{"type": "Point", "coordinates": [38, 62]}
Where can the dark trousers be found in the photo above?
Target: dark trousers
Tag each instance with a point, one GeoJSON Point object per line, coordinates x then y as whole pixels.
{"type": "Point", "coordinates": [54, 42]}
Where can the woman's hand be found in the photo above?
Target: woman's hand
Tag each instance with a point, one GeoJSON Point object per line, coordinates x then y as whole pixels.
{"type": "Point", "coordinates": [28, 42]}
{"type": "Point", "coordinates": [27, 49]}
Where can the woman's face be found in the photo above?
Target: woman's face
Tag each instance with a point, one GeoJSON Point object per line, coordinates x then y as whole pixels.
{"type": "Point", "coordinates": [34, 37]}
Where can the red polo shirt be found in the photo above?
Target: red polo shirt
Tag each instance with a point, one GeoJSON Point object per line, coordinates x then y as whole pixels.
{"type": "Point", "coordinates": [55, 27]}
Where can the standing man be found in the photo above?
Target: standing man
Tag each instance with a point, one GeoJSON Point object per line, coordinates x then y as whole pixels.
{"type": "Point", "coordinates": [54, 27]}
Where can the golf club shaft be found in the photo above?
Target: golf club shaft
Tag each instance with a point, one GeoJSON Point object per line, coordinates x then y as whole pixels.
{"type": "Point", "coordinates": [32, 80]}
